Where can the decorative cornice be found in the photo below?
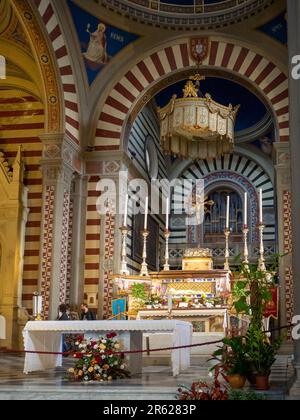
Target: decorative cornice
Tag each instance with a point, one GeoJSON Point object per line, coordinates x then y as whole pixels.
{"type": "Point", "coordinates": [183, 17]}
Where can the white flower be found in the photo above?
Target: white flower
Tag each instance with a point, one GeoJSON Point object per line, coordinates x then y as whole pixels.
{"type": "Point", "coordinates": [95, 347]}
{"type": "Point", "coordinates": [103, 357]}
{"type": "Point", "coordinates": [111, 355]}
{"type": "Point", "coordinates": [122, 367]}
{"type": "Point", "coordinates": [104, 341]}
{"type": "Point", "coordinates": [80, 346]}
{"type": "Point", "coordinates": [86, 378]}
{"type": "Point", "coordinates": [116, 363]}
{"type": "Point", "coordinates": [210, 374]}
{"type": "Point", "coordinates": [77, 343]}
{"type": "Point", "coordinates": [104, 375]}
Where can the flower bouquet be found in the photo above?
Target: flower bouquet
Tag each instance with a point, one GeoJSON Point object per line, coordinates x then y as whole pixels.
{"type": "Point", "coordinates": [98, 360]}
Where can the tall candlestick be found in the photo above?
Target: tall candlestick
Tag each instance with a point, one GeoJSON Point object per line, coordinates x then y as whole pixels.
{"type": "Point", "coordinates": [126, 210]}
{"type": "Point", "coordinates": [124, 232]}
{"type": "Point", "coordinates": [260, 207]}
{"type": "Point", "coordinates": [166, 265]}
{"type": "Point", "coordinates": [227, 212]}
{"type": "Point", "coordinates": [146, 213]}
{"type": "Point", "coordinates": [167, 213]}
{"type": "Point", "coordinates": [245, 209]}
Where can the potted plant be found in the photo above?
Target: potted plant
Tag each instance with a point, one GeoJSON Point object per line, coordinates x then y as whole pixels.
{"type": "Point", "coordinates": [262, 354]}
{"type": "Point", "coordinates": [232, 361]}
{"type": "Point", "coordinates": [140, 295]}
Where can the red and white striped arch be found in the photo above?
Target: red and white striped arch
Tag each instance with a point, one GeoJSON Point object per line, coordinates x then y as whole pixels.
{"type": "Point", "coordinates": [265, 75]}
{"type": "Point", "coordinates": [65, 68]}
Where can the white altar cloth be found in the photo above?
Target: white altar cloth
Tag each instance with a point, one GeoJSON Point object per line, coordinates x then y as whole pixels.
{"type": "Point", "coordinates": [46, 336]}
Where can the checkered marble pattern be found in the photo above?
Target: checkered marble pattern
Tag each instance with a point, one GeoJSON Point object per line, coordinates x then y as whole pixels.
{"type": "Point", "coordinates": [47, 247]}
{"type": "Point", "coordinates": [288, 247]}
{"type": "Point", "coordinates": [289, 296]}
{"type": "Point", "coordinates": [109, 253]}
{"type": "Point", "coordinates": [287, 221]}
{"type": "Point", "coordinates": [69, 257]}
{"type": "Point", "coordinates": [64, 248]}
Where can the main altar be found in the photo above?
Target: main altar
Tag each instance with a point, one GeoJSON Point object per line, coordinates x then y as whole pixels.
{"type": "Point", "coordinates": [198, 294]}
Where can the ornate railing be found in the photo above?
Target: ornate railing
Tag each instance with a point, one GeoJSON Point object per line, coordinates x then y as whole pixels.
{"type": "Point", "coordinates": [176, 253]}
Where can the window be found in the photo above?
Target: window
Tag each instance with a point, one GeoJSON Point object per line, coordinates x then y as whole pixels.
{"type": "Point", "coordinates": [151, 158]}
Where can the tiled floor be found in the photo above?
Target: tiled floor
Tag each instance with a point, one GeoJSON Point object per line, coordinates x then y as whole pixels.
{"type": "Point", "coordinates": [156, 382]}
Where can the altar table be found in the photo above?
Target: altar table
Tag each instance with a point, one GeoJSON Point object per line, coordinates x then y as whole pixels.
{"type": "Point", "coordinates": [47, 336]}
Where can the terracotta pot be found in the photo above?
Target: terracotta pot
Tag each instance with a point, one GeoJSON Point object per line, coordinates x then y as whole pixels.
{"type": "Point", "coordinates": [236, 381]}
{"type": "Point", "coordinates": [262, 383]}
{"type": "Point", "coordinates": [251, 378]}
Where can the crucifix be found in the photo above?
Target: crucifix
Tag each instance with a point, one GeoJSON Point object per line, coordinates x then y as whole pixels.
{"type": "Point", "coordinates": [199, 205]}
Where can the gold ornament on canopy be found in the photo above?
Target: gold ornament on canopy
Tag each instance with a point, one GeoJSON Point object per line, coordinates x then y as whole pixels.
{"type": "Point", "coordinates": [197, 127]}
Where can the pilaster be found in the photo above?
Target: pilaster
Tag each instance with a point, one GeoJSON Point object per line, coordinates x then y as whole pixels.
{"type": "Point", "coordinates": [283, 189]}
{"type": "Point", "coordinates": [294, 92]}
{"type": "Point", "coordinates": [60, 160]}
{"type": "Point", "coordinates": [108, 165]}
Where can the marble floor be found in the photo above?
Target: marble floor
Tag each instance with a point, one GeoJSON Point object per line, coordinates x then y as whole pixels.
{"type": "Point", "coordinates": [156, 382]}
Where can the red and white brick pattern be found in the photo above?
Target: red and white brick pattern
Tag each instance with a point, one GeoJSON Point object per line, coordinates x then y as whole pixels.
{"type": "Point", "coordinates": [92, 240]}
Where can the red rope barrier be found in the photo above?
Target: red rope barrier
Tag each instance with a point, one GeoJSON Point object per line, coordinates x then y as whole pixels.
{"type": "Point", "coordinates": [113, 353]}
{"type": "Point", "coordinates": [134, 351]}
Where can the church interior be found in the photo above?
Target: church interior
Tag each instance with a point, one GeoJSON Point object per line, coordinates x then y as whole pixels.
{"type": "Point", "coordinates": [198, 97]}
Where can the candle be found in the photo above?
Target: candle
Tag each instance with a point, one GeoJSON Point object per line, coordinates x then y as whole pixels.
{"type": "Point", "coordinates": [35, 309]}
{"type": "Point", "coordinates": [126, 210]}
{"type": "Point", "coordinates": [246, 209]}
{"type": "Point", "coordinates": [227, 212]}
{"type": "Point", "coordinates": [260, 207]}
{"type": "Point", "coordinates": [167, 213]}
{"type": "Point", "coordinates": [146, 213]}
{"type": "Point", "coordinates": [170, 303]}
{"type": "Point", "coordinates": [40, 305]}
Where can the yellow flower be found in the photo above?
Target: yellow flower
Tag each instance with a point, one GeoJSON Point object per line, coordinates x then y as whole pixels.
{"type": "Point", "coordinates": [80, 373]}
{"type": "Point", "coordinates": [102, 346]}
{"type": "Point", "coordinates": [109, 378]}
{"type": "Point", "coordinates": [91, 369]}
{"type": "Point", "coordinates": [71, 370]}
{"type": "Point", "coordinates": [117, 346]}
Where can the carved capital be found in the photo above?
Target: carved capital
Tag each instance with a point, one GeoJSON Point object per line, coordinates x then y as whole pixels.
{"type": "Point", "coordinates": [57, 147]}
{"type": "Point", "coordinates": [53, 174]}
{"type": "Point", "coordinates": [283, 155]}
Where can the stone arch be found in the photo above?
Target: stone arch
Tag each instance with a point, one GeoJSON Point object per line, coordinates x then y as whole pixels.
{"type": "Point", "coordinates": [50, 20]}
{"type": "Point", "coordinates": [243, 174]}
{"type": "Point", "coordinates": [51, 93]}
{"type": "Point", "coordinates": [228, 56]}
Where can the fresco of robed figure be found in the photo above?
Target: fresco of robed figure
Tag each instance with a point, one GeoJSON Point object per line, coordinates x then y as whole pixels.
{"type": "Point", "coordinates": [96, 53]}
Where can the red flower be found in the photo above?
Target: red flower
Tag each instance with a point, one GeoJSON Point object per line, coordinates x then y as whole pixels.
{"type": "Point", "coordinates": [111, 335]}
{"type": "Point", "coordinates": [78, 355]}
{"type": "Point", "coordinates": [80, 338]}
